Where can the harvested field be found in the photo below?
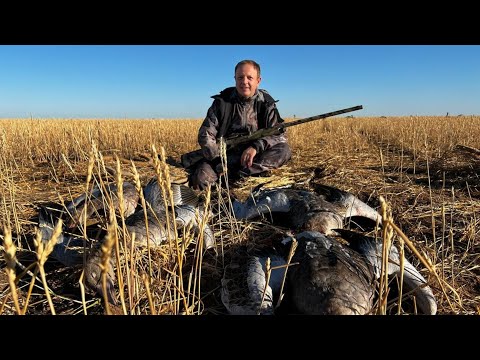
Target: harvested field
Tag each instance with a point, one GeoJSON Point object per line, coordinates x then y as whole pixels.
{"type": "Point", "coordinates": [426, 169]}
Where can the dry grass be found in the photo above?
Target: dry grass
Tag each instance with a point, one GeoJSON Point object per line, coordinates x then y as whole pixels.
{"type": "Point", "coordinates": [426, 169]}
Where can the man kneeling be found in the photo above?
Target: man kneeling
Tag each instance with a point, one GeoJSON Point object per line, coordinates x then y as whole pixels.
{"type": "Point", "coordinates": [239, 110]}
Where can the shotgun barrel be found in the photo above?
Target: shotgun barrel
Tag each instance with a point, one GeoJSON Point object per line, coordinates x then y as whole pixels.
{"type": "Point", "coordinates": [191, 158]}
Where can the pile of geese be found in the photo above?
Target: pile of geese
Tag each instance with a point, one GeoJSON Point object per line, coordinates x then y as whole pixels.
{"type": "Point", "coordinates": [333, 270]}
{"type": "Point", "coordinates": [68, 250]}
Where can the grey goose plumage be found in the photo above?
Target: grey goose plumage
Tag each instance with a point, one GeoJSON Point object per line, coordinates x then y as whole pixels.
{"type": "Point", "coordinates": [334, 278]}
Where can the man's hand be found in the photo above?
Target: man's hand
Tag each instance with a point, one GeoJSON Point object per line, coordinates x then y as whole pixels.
{"type": "Point", "coordinates": [247, 157]}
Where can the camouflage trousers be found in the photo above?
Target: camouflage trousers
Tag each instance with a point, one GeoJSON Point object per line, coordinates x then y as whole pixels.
{"type": "Point", "coordinates": [207, 172]}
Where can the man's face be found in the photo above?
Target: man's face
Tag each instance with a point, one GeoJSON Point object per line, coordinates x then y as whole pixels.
{"type": "Point", "coordinates": [247, 80]}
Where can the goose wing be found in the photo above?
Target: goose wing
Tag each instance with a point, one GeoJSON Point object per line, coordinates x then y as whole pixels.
{"type": "Point", "coordinates": [372, 249]}
{"type": "Point", "coordinates": [182, 195]}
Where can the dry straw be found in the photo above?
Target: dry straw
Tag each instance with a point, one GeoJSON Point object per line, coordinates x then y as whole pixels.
{"type": "Point", "coordinates": [423, 171]}
{"type": "Point", "coordinates": [10, 250]}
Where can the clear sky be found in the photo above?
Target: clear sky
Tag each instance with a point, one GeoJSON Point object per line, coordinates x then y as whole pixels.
{"type": "Point", "coordinates": [176, 81]}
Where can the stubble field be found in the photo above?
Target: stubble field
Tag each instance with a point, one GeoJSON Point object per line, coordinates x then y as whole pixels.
{"type": "Point", "coordinates": [426, 169]}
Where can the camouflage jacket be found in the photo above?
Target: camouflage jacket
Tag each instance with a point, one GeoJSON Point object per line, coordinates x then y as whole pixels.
{"type": "Point", "coordinates": [243, 119]}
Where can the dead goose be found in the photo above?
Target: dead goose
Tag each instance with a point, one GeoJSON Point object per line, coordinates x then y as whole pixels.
{"type": "Point", "coordinates": [350, 204]}
{"type": "Point", "coordinates": [330, 279]}
{"type": "Point", "coordinates": [97, 202]}
{"type": "Point", "coordinates": [158, 234]}
{"type": "Point", "coordinates": [306, 210]}
{"type": "Point", "coordinates": [69, 250]}
{"type": "Point", "coordinates": [281, 200]}
{"type": "Point", "coordinates": [244, 281]}
{"type": "Point", "coordinates": [185, 204]}
{"type": "Point", "coordinates": [333, 278]}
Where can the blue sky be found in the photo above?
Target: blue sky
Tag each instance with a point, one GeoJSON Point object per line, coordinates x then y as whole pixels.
{"type": "Point", "coordinates": [176, 81]}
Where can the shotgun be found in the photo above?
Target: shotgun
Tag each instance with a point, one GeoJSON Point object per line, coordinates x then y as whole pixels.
{"type": "Point", "coordinates": [191, 158]}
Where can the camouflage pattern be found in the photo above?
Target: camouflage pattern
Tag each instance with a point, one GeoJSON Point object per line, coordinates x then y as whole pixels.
{"type": "Point", "coordinates": [207, 172]}
{"type": "Point", "coordinates": [244, 121]}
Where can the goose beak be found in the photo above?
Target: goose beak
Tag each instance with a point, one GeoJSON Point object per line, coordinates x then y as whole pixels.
{"type": "Point", "coordinates": [110, 293]}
